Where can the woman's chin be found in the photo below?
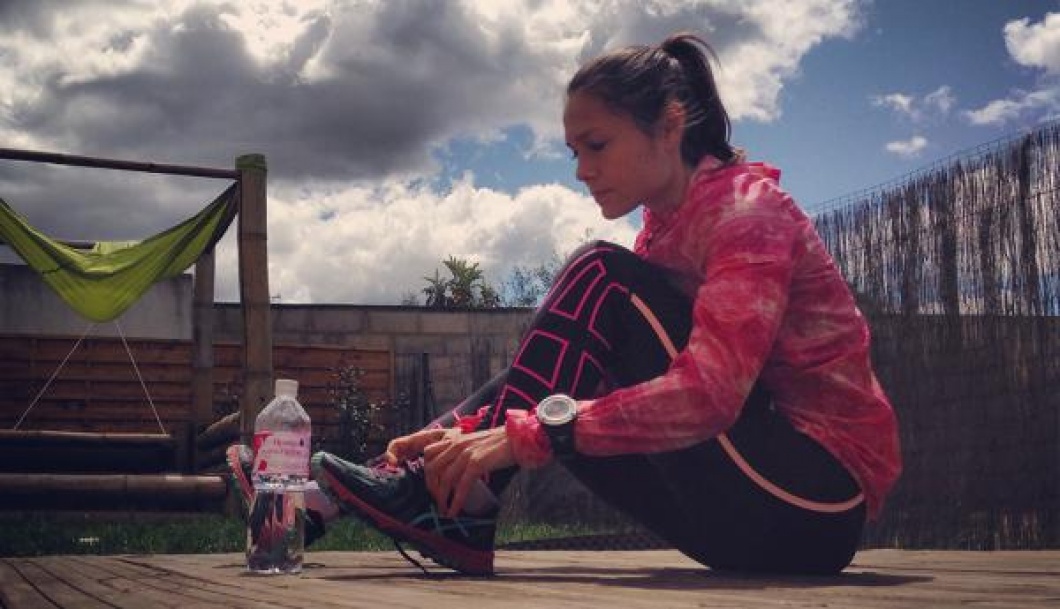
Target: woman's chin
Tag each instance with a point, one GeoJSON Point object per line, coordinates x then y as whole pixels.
{"type": "Point", "coordinates": [614, 213]}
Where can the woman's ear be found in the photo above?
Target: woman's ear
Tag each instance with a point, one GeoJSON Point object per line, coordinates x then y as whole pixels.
{"type": "Point", "coordinates": [673, 124]}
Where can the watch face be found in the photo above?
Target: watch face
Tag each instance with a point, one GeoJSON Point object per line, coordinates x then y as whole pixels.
{"type": "Point", "coordinates": [557, 410]}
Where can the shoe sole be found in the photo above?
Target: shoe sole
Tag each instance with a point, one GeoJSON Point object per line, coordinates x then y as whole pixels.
{"type": "Point", "coordinates": [444, 552]}
{"type": "Point", "coordinates": [242, 484]}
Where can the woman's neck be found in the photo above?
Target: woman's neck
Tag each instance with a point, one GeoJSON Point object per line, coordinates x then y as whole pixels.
{"type": "Point", "coordinates": [671, 199]}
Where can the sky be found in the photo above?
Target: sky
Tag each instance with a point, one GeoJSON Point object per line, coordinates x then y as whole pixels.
{"type": "Point", "coordinates": [401, 132]}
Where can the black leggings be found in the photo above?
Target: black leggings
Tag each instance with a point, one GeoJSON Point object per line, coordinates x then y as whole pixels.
{"type": "Point", "coordinates": [760, 496]}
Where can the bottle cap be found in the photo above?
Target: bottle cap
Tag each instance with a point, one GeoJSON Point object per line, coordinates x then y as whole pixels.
{"type": "Point", "coordinates": [287, 387]}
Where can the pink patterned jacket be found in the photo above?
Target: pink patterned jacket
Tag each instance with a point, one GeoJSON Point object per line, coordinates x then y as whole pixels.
{"type": "Point", "coordinates": [769, 303]}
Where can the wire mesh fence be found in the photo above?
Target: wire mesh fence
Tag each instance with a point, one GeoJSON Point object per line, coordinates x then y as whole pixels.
{"type": "Point", "coordinates": [957, 269]}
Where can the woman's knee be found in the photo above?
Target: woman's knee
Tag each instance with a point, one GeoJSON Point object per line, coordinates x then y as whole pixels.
{"type": "Point", "coordinates": [616, 260]}
{"type": "Point", "coordinates": [597, 249]}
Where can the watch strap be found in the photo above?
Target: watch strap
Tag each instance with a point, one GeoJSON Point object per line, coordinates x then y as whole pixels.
{"type": "Point", "coordinates": [561, 438]}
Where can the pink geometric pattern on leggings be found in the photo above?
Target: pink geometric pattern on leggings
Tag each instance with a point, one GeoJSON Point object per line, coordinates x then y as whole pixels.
{"type": "Point", "coordinates": [529, 403]}
{"type": "Point", "coordinates": [540, 339]}
{"type": "Point", "coordinates": [592, 274]}
{"type": "Point", "coordinates": [583, 361]}
{"type": "Point", "coordinates": [561, 281]}
{"type": "Point", "coordinates": [596, 311]}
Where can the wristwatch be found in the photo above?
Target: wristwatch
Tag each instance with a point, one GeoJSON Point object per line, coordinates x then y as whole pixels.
{"type": "Point", "coordinates": [557, 413]}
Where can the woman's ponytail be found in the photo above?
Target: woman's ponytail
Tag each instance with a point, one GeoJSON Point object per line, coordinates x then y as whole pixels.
{"type": "Point", "coordinates": [642, 80]}
{"type": "Point", "coordinates": [707, 129]}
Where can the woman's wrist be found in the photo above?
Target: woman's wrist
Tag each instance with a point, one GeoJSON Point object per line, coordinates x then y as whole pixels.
{"type": "Point", "coordinates": [530, 445]}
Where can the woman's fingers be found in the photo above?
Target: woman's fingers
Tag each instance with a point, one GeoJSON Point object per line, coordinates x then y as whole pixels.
{"type": "Point", "coordinates": [409, 447]}
{"type": "Point", "coordinates": [460, 491]}
{"type": "Point", "coordinates": [456, 462]}
{"type": "Point", "coordinates": [437, 459]}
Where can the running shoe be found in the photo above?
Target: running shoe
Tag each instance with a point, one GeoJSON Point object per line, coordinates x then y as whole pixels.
{"type": "Point", "coordinates": [395, 501]}
{"type": "Point", "coordinates": [240, 458]}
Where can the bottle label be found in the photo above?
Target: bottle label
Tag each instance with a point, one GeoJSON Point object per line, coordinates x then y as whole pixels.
{"type": "Point", "coordinates": [278, 453]}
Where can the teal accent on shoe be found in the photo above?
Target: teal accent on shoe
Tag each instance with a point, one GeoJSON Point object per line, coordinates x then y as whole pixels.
{"type": "Point", "coordinates": [396, 502]}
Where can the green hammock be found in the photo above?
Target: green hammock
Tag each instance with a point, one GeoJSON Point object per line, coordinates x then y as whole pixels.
{"type": "Point", "coordinates": [104, 281]}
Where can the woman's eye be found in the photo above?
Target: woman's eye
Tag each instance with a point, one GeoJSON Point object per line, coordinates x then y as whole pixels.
{"type": "Point", "coordinates": [596, 146]}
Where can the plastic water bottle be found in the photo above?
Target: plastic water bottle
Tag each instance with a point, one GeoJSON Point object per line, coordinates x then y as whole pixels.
{"type": "Point", "coordinates": [276, 525]}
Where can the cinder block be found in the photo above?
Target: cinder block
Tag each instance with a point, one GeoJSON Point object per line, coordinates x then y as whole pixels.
{"type": "Point", "coordinates": [338, 320]}
{"type": "Point", "coordinates": [422, 343]}
{"type": "Point", "coordinates": [445, 322]}
{"type": "Point", "coordinates": [393, 322]}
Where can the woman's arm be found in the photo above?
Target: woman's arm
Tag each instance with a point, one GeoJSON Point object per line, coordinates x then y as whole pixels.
{"type": "Point", "coordinates": [737, 312]}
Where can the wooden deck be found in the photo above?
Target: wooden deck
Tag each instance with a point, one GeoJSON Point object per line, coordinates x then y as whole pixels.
{"type": "Point", "coordinates": [657, 579]}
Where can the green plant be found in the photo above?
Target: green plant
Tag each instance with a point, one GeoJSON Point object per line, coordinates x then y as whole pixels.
{"type": "Point", "coordinates": [358, 415]}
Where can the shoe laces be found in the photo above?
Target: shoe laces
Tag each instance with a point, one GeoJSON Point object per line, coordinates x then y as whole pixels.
{"type": "Point", "coordinates": [405, 555]}
{"type": "Point", "coordinates": [384, 470]}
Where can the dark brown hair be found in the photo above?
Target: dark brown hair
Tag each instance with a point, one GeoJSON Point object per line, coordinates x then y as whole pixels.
{"type": "Point", "coordinates": [641, 80]}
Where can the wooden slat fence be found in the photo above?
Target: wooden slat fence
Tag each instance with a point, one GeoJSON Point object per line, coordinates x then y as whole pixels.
{"type": "Point", "coordinates": [98, 390]}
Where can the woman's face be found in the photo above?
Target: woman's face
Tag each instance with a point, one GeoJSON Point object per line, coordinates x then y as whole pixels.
{"type": "Point", "coordinates": [623, 166]}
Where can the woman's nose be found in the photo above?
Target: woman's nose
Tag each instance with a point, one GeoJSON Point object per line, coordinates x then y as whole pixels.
{"type": "Point", "coordinates": [584, 172]}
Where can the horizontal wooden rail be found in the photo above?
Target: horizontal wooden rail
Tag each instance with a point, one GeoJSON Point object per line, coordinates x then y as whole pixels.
{"type": "Point", "coordinates": [54, 158]}
{"type": "Point", "coordinates": [165, 492]}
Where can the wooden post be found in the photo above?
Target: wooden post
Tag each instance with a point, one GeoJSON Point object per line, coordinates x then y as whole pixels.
{"type": "Point", "coordinates": [254, 290]}
{"type": "Point", "coordinates": [202, 353]}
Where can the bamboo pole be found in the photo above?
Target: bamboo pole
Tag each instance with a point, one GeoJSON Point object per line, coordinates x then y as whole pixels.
{"type": "Point", "coordinates": [219, 432]}
{"type": "Point", "coordinates": [254, 290]}
{"type": "Point", "coordinates": [54, 158]}
{"type": "Point", "coordinates": [202, 351]}
{"type": "Point", "coordinates": [106, 438]}
{"type": "Point", "coordinates": [112, 491]}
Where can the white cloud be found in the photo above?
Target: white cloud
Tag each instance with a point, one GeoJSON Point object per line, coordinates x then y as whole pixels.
{"type": "Point", "coordinates": [374, 244]}
{"type": "Point", "coordinates": [918, 109]}
{"type": "Point", "coordinates": [1044, 102]}
{"type": "Point", "coordinates": [1035, 45]}
{"type": "Point", "coordinates": [910, 148]}
{"type": "Point", "coordinates": [940, 99]}
{"type": "Point", "coordinates": [349, 101]}
{"type": "Point", "coordinates": [899, 102]}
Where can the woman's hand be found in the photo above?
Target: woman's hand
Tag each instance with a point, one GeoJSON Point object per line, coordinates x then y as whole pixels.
{"type": "Point", "coordinates": [407, 448]}
{"type": "Point", "coordinates": [454, 462]}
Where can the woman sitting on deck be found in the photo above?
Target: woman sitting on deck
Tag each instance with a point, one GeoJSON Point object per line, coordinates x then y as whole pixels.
{"type": "Point", "coordinates": [719, 382]}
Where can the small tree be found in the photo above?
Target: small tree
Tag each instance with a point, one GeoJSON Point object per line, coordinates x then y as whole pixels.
{"type": "Point", "coordinates": [526, 286]}
{"type": "Point", "coordinates": [466, 287]}
{"type": "Point", "coordinates": [358, 416]}
{"type": "Point", "coordinates": [466, 277]}
{"type": "Point", "coordinates": [436, 291]}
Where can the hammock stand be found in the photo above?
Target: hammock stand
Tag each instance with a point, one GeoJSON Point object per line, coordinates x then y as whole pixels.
{"type": "Point", "coordinates": [250, 177]}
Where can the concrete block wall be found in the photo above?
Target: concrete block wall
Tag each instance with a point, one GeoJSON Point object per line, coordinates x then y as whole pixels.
{"type": "Point", "coordinates": [29, 306]}
{"type": "Point", "coordinates": [453, 339]}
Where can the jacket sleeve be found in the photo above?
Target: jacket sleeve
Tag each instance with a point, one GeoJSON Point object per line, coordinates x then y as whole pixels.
{"type": "Point", "coordinates": [750, 239]}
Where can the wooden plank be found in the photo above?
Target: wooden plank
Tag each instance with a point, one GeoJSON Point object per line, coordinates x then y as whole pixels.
{"type": "Point", "coordinates": [59, 590]}
{"type": "Point", "coordinates": [665, 579]}
{"type": "Point", "coordinates": [16, 592]}
{"type": "Point", "coordinates": [98, 388]}
{"type": "Point", "coordinates": [235, 589]}
{"type": "Point", "coordinates": [661, 579]}
{"type": "Point", "coordinates": [157, 588]}
{"type": "Point", "coordinates": [103, 371]}
{"type": "Point", "coordinates": [303, 357]}
{"type": "Point", "coordinates": [87, 576]}
{"type": "Point", "coordinates": [118, 425]}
